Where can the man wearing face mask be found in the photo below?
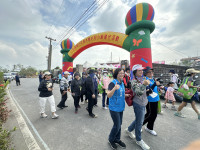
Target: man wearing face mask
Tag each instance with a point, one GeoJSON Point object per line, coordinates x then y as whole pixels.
{"type": "Point", "coordinates": [105, 80]}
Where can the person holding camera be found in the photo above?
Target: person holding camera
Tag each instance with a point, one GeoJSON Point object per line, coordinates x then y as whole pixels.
{"type": "Point", "coordinates": [46, 88]}
{"type": "Point", "coordinates": [153, 98]}
{"type": "Point", "coordinates": [138, 85]}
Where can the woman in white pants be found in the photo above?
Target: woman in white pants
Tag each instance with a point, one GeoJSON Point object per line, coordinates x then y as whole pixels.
{"type": "Point", "coordinates": [45, 88]}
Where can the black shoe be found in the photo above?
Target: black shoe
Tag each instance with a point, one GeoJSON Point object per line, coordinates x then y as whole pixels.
{"type": "Point", "coordinates": [76, 110]}
{"type": "Point", "coordinates": [59, 107]}
{"type": "Point", "coordinates": [65, 106]}
{"type": "Point", "coordinates": [121, 144]}
{"type": "Point", "coordinates": [93, 115]}
{"type": "Point", "coordinates": [113, 145]}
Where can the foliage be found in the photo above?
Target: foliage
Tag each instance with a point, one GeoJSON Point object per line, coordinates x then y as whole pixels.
{"type": "Point", "coordinates": [4, 112]}
{"type": "Point", "coordinates": [186, 63]}
{"type": "Point", "coordinates": [29, 71]}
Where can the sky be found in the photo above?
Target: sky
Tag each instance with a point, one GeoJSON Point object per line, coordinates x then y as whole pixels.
{"type": "Point", "coordinates": [25, 24]}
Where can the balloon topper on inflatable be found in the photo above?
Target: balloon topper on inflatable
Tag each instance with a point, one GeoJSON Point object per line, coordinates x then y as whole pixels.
{"type": "Point", "coordinates": [136, 40]}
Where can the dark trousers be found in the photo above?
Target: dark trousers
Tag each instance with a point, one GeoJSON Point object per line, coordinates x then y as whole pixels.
{"type": "Point", "coordinates": [96, 95]}
{"type": "Point", "coordinates": [151, 114]}
{"type": "Point", "coordinates": [82, 97]}
{"type": "Point", "coordinates": [104, 97]}
{"type": "Point", "coordinates": [17, 83]}
{"type": "Point", "coordinates": [115, 133]}
{"type": "Point", "coordinates": [63, 99]}
{"type": "Point", "coordinates": [76, 101]}
{"type": "Point", "coordinates": [90, 103]}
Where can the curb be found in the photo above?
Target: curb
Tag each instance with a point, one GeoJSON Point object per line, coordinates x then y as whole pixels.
{"type": "Point", "coordinates": [29, 139]}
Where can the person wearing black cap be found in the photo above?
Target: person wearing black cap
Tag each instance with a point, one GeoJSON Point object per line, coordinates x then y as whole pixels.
{"type": "Point", "coordinates": [90, 92]}
{"type": "Point", "coordinates": [153, 98]}
{"type": "Point", "coordinates": [76, 87]}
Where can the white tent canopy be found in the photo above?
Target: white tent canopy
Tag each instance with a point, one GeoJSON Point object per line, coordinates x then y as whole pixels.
{"type": "Point", "coordinates": [97, 65]}
{"type": "Point", "coordinates": [87, 65]}
{"type": "Point", "coordinates": [113, 67]}
{"type": "Point", "coordinates": [106, 66]}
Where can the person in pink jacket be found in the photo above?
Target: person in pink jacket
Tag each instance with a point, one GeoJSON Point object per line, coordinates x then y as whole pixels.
{"type": "Point", "coordinates": [105, 81]}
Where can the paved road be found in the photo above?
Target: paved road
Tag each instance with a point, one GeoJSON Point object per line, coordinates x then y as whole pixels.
{"type": "Point", "coordinates": [80, 132]}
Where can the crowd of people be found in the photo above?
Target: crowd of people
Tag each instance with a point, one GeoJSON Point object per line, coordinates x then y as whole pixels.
{"type": "Point", "coordinates": [112, 85]}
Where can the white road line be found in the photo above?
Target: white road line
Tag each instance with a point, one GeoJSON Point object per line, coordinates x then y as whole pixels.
{"type": "Point", "coordinates": [28, 137]}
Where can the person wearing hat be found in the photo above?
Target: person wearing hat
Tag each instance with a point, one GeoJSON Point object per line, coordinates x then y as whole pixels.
{"type": "Point", "coordinates": [76, 87]}
{"type": "Point", "coordinates": [64, 87]}
{"type": "Point", "coordinates": [190, 73]}
{"type": "Point", "coordinates": [45, 88]}
{"type": "Point", "coordinates": [153, 98]}
{"type": "Point", "coordinates": [138, 85]}
{"type": "Point", "coordinates": [90, 92]}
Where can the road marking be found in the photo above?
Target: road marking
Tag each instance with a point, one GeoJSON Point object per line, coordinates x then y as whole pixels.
{"type": "Point", "coordinates": [28, 137]}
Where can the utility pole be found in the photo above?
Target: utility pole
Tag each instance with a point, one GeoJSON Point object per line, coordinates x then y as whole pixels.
{"type": "Point", "coordinates": [50, 53]}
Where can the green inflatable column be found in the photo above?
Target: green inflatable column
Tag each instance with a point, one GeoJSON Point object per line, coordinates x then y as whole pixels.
{"type": "Point", "coordinates": [66, 46]}
{"type": "Point", "coordinates": [139, 27]}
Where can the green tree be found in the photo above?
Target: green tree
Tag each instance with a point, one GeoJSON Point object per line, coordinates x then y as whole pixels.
{"type": "Point", "coordinates": [29, 71]}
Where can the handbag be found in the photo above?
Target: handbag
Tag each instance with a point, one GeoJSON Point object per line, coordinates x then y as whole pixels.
{"type": "Point", "coordinates": [129, 100]}
{"type": "Point", "coordinates": [186, 92]}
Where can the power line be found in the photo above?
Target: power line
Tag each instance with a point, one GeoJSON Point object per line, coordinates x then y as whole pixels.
{"type": "Point", "coordinates": [85, 19]}
{"type": "Point", "coordinates": [81, 17]}
{"type": "Point", "coordinates": [58, 12]}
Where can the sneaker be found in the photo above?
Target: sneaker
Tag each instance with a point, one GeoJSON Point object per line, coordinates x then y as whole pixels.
{"type": "Point", "coordinates": [151, 131]}
{"type": "Point", "coordinates": [160, 113]}
{"type": "Point", "coordinates": [93, 115]}
{"type": "Point", "coordinates": [55, 116]}
{"type": "Point", "coordinates": [43, 115]}
{"type": "Point", "coordinates": [130, 134]}
{"type": "Point", "coordinates": [112, 145]}
{"type": "Point", "coordinates": [173, 108]}
{"type": "Point", "coordinates": [179, 114]}
{"type": "Point", "coordinates": [199, 116]}
{"type": "Point", "coordinates": [143, 145]}
{"type": "Point", "coordinates": [105, 108]}
{"type": "Point", "coordinates": [164, 106]}
{"type": "Point", "coordinates": [121, 144]}
{"type": "Point", "coordinates": [65, 106]}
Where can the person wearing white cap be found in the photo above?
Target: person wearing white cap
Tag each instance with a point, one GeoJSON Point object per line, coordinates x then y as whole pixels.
{"type": "Point", "coordinates": [45, 88]}
{"type": "Point", "coordinates": [138, 85]}
{"type": "Point", "coordinates": [189, 81]}
{"type": "Point", "coordinates": [64, 87]}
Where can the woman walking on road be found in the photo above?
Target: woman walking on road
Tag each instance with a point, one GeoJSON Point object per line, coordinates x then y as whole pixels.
{"type": "Point", "coordinates": [189, 81]}
{"type": "Point", "coordinates": [153, 98]}
{"type": "Point", "coordinates": [116, 95]}
{"type": "Point", "coordinates": [45, 88]}
{"type": "Point", "coordinates": [138, 85]}
{"type": "Point", "coordinates": [76, 87]}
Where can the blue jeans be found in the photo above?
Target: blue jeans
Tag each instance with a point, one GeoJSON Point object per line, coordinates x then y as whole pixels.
{"type": "Point", "coordinates": [115, 133]}
{"type": "Point", "coordinates": [138, 122]}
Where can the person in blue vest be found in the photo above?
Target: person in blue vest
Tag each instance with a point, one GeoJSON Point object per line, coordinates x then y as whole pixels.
{"type": "Point", "coordinates": [116, 95]}
{"type": "Point", "coordinates": [153, 98]}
